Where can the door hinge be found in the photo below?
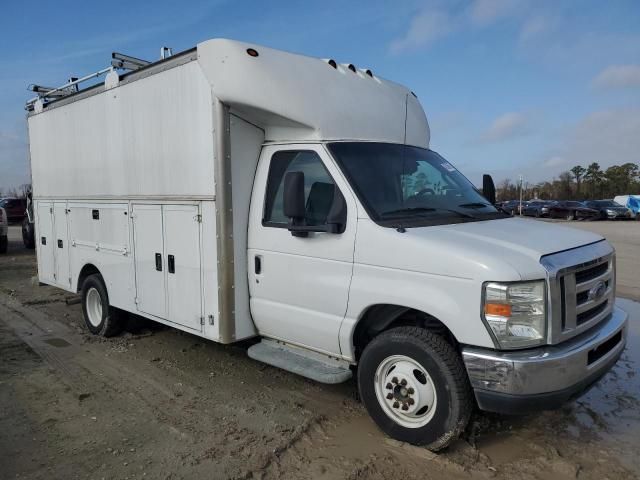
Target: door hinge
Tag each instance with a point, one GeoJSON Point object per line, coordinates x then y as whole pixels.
{"type": "Point", "coordinates": [69, 280]}
{"type": "Point", "coordinates": [54, 276]}
{"type": "Point", "coordinates": [201, 320]}
{"type": "Point", "coordinates": [136, 300]}
{"type": "Point", "coordinates": [199, 218]}
{"type": "Point", "coordinates": [210, 319]}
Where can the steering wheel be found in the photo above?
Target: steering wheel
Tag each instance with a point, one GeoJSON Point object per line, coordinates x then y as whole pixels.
{"type": "Point", "coordinates": [424, 191]}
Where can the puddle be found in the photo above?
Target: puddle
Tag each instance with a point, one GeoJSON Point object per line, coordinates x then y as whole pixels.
{"type": "Point", "coordinates": [57, 342]}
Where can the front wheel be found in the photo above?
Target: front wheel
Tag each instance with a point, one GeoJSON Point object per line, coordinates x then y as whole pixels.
{"type": "Point", "coordinates": [571, 216]}
{"type": "Point", "coordinates": [4, 244]}
{"type": "Point", "coordinates": [100, 318]}
{"type": "Point", "coordinates": [414, 385]}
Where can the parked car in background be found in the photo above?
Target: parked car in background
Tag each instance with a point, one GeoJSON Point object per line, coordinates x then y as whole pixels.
{"type": "Point", "coordinates": [15, 208]}
{"type": "Point", "coordinates": [572, 210]}
{"type": "Point", "coordinates": [536, 208]}
{"type": "Point", "coordinates": [4, 230]}
{"type": "Point", "coordinates": [608, 209]}
{"type": "Point", "coordinates": [512, 207]}
{"type": "Point", "coordinates": [632, 202]}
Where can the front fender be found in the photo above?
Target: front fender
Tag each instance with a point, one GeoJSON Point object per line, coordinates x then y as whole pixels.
{"type": "Point", "coordinates": [452, 300]}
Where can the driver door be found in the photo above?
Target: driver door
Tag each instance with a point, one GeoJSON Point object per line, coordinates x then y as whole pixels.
{"type": "Point", "coordinates": [299, 286]}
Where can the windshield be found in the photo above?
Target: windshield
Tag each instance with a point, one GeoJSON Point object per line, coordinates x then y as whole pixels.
{"type": "Point", "coordinates": [400, 185]}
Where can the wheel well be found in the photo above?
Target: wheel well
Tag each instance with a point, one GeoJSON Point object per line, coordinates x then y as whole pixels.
{"type": "Point", "coordinates": [87, 270]}
{"type": "Point", "coordinates": [378, 318]}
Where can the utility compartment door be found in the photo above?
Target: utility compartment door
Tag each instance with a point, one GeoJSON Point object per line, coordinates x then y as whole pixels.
{"type": "Point", "coordinates": [182, 255]}
{"type": "Point", "coordinates": [150, 263]}
{"type": "Point", "coordinates": [45, 241]}
{"type": "Point", "coordinates": [61, 247]}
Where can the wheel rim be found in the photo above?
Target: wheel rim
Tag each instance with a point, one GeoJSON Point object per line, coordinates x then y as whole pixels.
{"type": "Point", "coordinates": [405, 391]}
{"type": "Point", "coordinates": [94, 307]}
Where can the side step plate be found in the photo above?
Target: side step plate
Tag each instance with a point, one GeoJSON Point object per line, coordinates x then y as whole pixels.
{"type": "Point", "coordinates": [299, 361]}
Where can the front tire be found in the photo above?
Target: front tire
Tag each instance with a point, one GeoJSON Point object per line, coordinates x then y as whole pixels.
{"type": "Point", "coordinates": [415, 387]}
{"type": "Point", "coordinates": [571, 216]}
{"type": "Point", "coordinates": [100, 318]}
{"type": "Point", "coordinates": [4, 244]}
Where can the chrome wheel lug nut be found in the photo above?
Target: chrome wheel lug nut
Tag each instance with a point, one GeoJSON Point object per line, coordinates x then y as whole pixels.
{"type": "Point", "coordinates": [403, 382]}
{"type": "Point", "coordinates": [389, 386]}
{"type": "Point", "coordinates": [394, 380]}
{"type": "Point", "coordinates": [389, 396]}
{"type": "Point", "coordinates": [411, 401]}
{"type": "Point", "coordinates": [405, 406]}
{"type": "Point", "coordinates": [410, 391]}
{"type": "Point", "coordinates": [396, 404]}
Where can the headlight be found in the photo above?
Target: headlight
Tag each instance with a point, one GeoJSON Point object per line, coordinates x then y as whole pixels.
{"type": "Point", "coordinates": [516, 313]}
{"type": "Point", "coordinates": [611, 212]}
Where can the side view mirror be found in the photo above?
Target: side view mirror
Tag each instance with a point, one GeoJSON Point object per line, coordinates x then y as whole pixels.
{"type": "Point", "coordinates": [489, 188]}
{"type": "Point", "coordinates": [295, 207]}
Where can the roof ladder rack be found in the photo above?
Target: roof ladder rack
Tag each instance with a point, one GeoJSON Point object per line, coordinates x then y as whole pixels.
{"type": "Point", "coordinates": [119, 60]}
{"type": "Point", "coordinates": [48, 94]}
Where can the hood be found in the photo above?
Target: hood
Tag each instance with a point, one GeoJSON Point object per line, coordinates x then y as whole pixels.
{"type": "Point", "coordinates": [501, 250]}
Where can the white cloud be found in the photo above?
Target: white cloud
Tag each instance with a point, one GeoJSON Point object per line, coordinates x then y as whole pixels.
{"type": "Point", "coordinates": [618, 76]}
{"type": "Point", "coordinates": [486, 12]}
{"type": "Point", "coordinates": [427, 27]}
{"type": "Point", "coordinates": [554, 161]}
{"type": "Point", "coordinates": [505, 127]}
{"type": "Point", "coordinates": [535, 26]}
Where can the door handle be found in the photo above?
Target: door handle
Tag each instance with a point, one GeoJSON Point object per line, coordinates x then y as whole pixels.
{"type": "Point", "coordinates": [159, 262]}
{"type": "Point", "coordinates": [171, 264]}
{"type": "Point", "coordinates": [257, 264]}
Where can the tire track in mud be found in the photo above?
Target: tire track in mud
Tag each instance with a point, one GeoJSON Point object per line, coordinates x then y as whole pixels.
{"type": "Point", "coordinates": [96, 376]}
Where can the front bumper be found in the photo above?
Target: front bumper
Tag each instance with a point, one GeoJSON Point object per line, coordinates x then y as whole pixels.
{"type": "Point", "coordinates": [544, 378]}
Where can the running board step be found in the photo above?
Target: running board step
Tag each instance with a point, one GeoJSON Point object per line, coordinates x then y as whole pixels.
{"type": "Point", "coordinates": [300, 361]}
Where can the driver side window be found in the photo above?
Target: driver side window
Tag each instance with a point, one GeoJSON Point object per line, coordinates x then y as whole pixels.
{"type": "Point", "coordinates": [318, 187]}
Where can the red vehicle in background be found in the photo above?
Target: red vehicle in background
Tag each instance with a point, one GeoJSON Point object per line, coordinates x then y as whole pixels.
{"type": "Point", "coordinates": [15, 208]}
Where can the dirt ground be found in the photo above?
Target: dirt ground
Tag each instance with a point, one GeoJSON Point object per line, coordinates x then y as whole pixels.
{"type": "Point", "coordinates": [158, 403]}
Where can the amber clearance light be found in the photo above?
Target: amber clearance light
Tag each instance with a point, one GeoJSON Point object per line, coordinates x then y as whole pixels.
{"type": "Point", "coordinates": [497, 309]}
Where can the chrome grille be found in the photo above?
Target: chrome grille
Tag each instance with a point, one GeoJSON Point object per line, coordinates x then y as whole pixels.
{"type": "Point", "coordinates": [581, 289]}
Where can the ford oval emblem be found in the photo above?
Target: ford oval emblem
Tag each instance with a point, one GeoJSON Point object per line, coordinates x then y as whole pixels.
{"type": "Point", "coordinates": [597, 291]}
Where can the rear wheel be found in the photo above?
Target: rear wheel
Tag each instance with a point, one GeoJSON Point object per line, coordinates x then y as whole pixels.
{"type": "Point", "coordinates": [571, 216]}
{"type": "Point", "coordinates": [4, 244]}
{"type": "Point", "coordinates": [28, 234]}
{"type": "Point", "coordinates": [414, 385]}
{"type": "Point", "coordinates": [100, 318]}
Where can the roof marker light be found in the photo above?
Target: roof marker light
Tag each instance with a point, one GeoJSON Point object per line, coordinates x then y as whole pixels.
{"type": "Point", "coordinates": [352, 67]}
{"type": "Point", "coordinates": [333, 63]}
{"type": "Point", "coordinates": [252, 52]}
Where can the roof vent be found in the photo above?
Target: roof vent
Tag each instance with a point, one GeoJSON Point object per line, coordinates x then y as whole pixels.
{"type": "Point", "coordinates": [333, 63]}
{"type": "Point", "coordinates": [352, 67]}
{"type": "Point", "coordinates": [369, 72]}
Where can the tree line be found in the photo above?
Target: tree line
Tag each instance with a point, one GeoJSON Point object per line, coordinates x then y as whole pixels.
{"type": "Point", "coordinates": [19, 192]}
{"type": "Point", "coordinates": [579, 183]}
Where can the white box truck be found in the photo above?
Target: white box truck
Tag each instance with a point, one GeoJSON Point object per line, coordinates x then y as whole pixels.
{"type": "Point", "coordinates": [235, 191]}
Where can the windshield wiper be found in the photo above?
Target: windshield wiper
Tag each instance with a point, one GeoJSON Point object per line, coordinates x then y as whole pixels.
{"type": "Point", "coordinates": [407, 210]}
{"type": "Point", "coordinates": [420, 210]}
{"type": "Point", "coordinates": [474, 205]}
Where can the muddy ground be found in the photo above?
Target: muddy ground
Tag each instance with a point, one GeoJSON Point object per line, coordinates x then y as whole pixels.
{"type": "Point", "coordinates": [158, 403]}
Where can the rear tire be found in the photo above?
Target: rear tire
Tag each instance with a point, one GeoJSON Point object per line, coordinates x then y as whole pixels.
{"type": "Point", "coordinates": [100, 318]}
{"type": "Point", "coordinates": [571, 216]}
{"type": "Point", "coordinates": [4, 244]}
{"type": "Point", "coordinates": [28, 234]}
{"type": "Point", "coordinates": [415, 387]}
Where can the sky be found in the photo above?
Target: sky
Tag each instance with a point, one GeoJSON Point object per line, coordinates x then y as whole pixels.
{"type": "Point", "coordinates": [510, 87]}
